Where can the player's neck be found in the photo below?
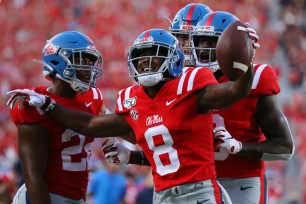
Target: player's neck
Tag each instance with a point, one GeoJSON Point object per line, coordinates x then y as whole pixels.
{"type": "Point", "coordinates": [62, 89]}
{"type": "Point", "coordinates": [153, 90]}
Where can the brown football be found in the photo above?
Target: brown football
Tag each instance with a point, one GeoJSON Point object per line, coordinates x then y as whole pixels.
{"type": "Point", "coordinates": [234, 50]}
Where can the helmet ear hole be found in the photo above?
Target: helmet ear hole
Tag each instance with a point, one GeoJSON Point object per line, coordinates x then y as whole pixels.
{"type": "Point", "coordinates": [55, 62]}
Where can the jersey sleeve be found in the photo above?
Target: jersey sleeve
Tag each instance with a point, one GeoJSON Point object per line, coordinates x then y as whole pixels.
{"type": "Point", "coordinates": [26, 114]}
{"type": "Point", "coordinates": [194, 79]}
{"type": "Point", "coordinates": [265, 81]}
{"type": "Point", "coordinates": [125, 100]}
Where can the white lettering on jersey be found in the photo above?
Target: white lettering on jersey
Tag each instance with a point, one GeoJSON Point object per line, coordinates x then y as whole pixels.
{"type": "Point", "coordinates": [257, 75]}
{"type": "Point", "coordinates": [151, 120]}
{"type": "Point", "coordinates": [163, 149]}
{"type": "Point", "coordinates": [69, 153]}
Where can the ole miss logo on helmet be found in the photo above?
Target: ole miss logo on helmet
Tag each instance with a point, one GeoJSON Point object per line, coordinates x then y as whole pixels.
{"type": "Point", "coordinates": [92, 47]}
{"type": "Point", "coordinates": [49, 49]}
{"type": "Point", "coordinates": [187, 27]}
{"type": "Point", "coordinates": [206, 28]}
{"type": "Point", "coordinates": [145, 39]}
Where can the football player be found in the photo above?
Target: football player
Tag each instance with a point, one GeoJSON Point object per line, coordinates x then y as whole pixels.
{"type": "Point", "coordinates": [184, 22]}
{"type": "Point", "coordinates": [169, 113]}
{"type": "Point", "coordinates": [256, 122]}
{"type": "Point", "coordinates": [54, 158]}
{"type": "Point", "coordinates": [239, 164]}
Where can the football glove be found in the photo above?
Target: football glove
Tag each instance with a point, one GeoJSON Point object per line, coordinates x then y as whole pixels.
{"type": "Point", "coordinates": [34, 99]}
{"type": "Point", "coordinates": [223, 139]}
{"type": "Point", "coordinates": [115, 152]}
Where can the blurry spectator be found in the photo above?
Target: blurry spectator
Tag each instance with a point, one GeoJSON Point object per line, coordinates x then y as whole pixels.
{"type": "Point", "coordinates": [145, 195]}
{"type": "Point", "coordinates": [131, 190]}
{"type": "Point", "coordinates": [108, 186]}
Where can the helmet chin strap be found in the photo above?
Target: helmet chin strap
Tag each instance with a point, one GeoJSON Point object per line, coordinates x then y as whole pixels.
{"type": "Point", "coordinates": [213, 66]}
{"type": "Point", "coordinates": [79, 87]}
{"type": "Point", "coordinates": [150, 80]}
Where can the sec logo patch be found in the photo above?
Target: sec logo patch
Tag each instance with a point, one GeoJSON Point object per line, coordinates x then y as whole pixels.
{"type": "Point", "coordinates": [134, 114]}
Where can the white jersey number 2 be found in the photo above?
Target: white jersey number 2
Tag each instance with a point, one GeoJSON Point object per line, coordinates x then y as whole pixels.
{"type": "Point", "coordinates": [69, 152]}
{"type": "Point", "coordinates": [165, 148]}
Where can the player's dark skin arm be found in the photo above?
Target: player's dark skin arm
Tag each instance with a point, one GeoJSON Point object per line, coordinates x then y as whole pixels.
{"type": "Point", "coordinates": [275, 127]}
{"type": "Point", "coordinates": [92, 126]}
{"type": "Point", "coordinates": [33, 153]}
{"type": "Point", "coordinates": [218, 96]}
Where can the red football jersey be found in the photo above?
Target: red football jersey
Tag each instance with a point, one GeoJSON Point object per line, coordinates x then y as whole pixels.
{"type": "Point", "coordinates": [240, 121]}
{"type": "Point", "coordinates": [176, 139]}
{"type": "Point", "coordinates": [67, 168]}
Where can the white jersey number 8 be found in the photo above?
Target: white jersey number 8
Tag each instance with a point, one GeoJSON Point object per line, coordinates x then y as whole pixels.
{"type": "Point", "coordinates": [165, 148]}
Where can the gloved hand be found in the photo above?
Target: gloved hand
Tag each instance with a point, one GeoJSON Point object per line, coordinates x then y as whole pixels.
{"type": "Point", "coordinates": [115, 152]}
{"type": "Point", "coordinates": [222, 139]}
{"type": "Point", "coordinates": [33, 98]}
{"type": "Point", "coordinates": [253, 35]}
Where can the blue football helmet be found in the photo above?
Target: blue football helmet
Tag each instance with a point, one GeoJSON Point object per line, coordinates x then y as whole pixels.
{"type": "Point", "coordinates": [69, 53]}
{"type": "Point", "coordinates": [185, 21]}
{"type": "Point", "coordinates": [162, 45]}
{"type": "Point", "coordinates": [207, 33]}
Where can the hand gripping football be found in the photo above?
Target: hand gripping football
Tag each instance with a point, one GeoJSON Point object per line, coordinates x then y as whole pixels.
{"type": "Point", "coordinates": [235, 51]}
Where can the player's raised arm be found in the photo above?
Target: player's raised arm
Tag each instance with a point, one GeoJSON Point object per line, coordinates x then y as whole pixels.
{"type": "Point", "coordinates": [93, 126]}
{"type": "Point", "coordinates": [235, 53]}
{"type": "Point", "coordinates": [222, 95]}
{"type": "Point", "coordinates": [100, 126]}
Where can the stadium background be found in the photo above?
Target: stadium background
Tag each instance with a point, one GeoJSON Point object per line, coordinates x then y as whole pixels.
{"type": "Point", "coordinates": [113, 26]}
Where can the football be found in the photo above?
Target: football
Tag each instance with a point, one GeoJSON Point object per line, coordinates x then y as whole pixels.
{"type": "Point", "coordinates": [234, 50]}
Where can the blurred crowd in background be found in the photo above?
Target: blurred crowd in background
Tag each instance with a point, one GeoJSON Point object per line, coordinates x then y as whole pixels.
{"type": "Point", "coordinates": [113, 26]}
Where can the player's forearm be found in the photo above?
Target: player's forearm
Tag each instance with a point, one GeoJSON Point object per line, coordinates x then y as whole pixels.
{"type": "Point", "coordinates": [243, 85]}
{"type": "Point", "coordinates": [274, 149]}
{"type": "Point", "coordinates": [225, 94]}
{"type": "Point", "coordinates": [138, 157]}
{"type": "Point", "coordinates": [75, 120]}
{"type": "Point", "coordinates": [34, 186]}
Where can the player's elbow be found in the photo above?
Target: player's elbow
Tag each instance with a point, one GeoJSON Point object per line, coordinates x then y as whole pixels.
{"type": "Point", "coordinates": [290, 148]}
